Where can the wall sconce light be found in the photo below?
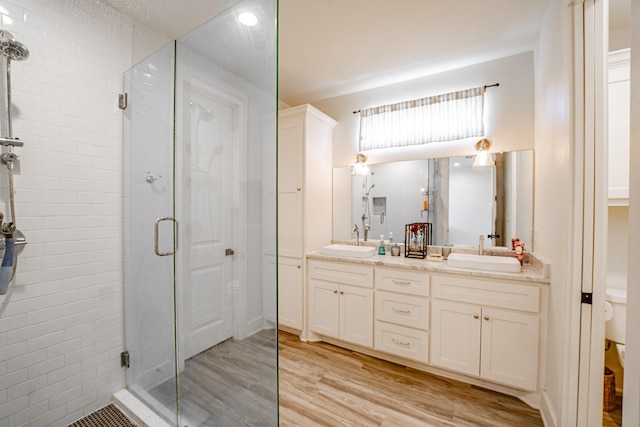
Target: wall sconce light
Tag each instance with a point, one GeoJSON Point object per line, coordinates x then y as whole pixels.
{"type": "Point", "coordinates": [360, 168]}
{"type": "Point", "coordinates": [483, 159]}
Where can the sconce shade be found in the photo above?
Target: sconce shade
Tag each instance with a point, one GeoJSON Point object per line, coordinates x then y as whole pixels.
{"type": "Point", "coordinates": [360, 168]}
{"type": "Point", "coordinates": [483, 159]}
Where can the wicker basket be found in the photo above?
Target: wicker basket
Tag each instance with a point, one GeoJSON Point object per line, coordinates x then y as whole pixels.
{"type": "Point", "coordinates": [609, 396]}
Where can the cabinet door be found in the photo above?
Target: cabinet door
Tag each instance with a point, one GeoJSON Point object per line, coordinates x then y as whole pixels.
{"type": "Point", "coordinates": [455, 336]}
{"type": "Point", "coordinates": [619, 119]}
{"type": "Point", "coordinates": [290, 154]}
{"type": "Point", "coordinates": [290, 292]}
{"type": "Point", "coordinates": [290, 224]}
{"type": "Point", "coordinates": [324, 308]}
{"type": "Point", "coordinates": [510, 348]}
{"type": "Point", "coordinates": [356, 315]}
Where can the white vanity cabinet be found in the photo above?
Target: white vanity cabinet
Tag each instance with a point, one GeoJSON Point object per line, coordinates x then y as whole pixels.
{"type": "Point", "coordinates": [402, 313]}
{"type": "Point", "coordinates": [340, 301]}
{"type": "Point", "coordinates": [486, 328]}
{"type": "Point", "coordinates": [619, 126]}
{"type": "Point", "coordinates": [305, 137]}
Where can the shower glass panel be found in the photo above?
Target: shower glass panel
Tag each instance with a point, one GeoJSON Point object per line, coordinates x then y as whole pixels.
{"type": "Point", "coordinates": [200, 147]}
{"type": "Point", "coordinates": [148, 278]}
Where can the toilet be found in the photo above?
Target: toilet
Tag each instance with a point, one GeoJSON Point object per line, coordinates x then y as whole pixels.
{"type": "Point", "coordinates": [616, 319]}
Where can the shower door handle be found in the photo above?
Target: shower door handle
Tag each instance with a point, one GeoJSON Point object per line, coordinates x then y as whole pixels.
{"type": "Point", "coordinates": [155, 236]}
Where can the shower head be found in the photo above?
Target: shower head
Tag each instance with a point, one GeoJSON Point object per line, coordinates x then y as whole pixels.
{"type": "Point", "coordinates": [11, 48]}
{"type": "Point", "coordinates": [369, 190]}
{"type": "Point", "coordinates": [208, 115]}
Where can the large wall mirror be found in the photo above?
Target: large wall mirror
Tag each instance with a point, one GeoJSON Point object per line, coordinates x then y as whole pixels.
{"type": "Point", "coordinates": [461, 203]}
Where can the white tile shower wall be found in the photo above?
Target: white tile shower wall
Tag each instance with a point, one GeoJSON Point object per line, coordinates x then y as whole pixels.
{"type": "Point", "coordinates": [61, 323]}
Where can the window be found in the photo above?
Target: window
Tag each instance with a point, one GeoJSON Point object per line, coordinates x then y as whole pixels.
{"type": "Point", "coordinates": [446, 117]}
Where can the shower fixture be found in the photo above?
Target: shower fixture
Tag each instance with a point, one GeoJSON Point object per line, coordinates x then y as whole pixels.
{"type": "Point", "coordinates": [10, 50]}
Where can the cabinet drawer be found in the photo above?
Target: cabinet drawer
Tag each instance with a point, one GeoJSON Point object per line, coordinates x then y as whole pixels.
{"type": "Point", "coordinates": [407, 282]}
{"type": "Point", "coordinates": [401, 309]}
{"type": "Point", "coordinates": [487, 292]}
{"type": "Point", "coordinates": [350, 274]}
{"type": "Point", "coordinates": [405, 342]}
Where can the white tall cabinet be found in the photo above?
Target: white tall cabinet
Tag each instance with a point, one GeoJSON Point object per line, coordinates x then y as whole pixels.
{"type": "Point", "coordinates": [305, 138]}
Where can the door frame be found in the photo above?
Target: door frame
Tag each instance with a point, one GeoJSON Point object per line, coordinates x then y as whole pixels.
{"type": "Point", "coordinates": [186, 72]}
{"type": "Point", "coordinates": [591, 202]}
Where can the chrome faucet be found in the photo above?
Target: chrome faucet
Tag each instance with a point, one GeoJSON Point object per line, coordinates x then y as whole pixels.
{"type": "Point", "coordinates": [355, 231]}
{"type": "Point", "coordinates": [366, 231]}
{"type": "Point", "coordinates": [481, 245]}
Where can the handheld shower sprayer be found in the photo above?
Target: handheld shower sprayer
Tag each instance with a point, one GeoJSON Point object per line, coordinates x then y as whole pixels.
{"type": "Point", "coordinates": [10, 50]}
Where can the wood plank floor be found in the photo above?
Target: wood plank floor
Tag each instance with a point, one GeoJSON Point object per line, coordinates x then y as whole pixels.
{"type": "Point", "coordinates": [613, 418]}
{"type": "Point", "coordinates": [234, 384]}
{"type": "Point", "coordinates": [324, 385]}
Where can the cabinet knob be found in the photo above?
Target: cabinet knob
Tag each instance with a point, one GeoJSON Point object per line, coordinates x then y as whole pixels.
{"type": "Point", "coordinates": [475, 316]}
{"type": "Point", "coordinates": [299, 267]}
{"type": "Point", "coordinates": [298, 188]}
{"type": "Point", "coordinates": [341, 292]}
{"type": "Point", "coordinates": [486, 317]}
{"type": "Point", "coordinates": [335, 292]}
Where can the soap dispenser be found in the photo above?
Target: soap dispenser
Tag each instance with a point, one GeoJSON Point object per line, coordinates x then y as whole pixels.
{"type": "Point", "coordinates": [381, 249]}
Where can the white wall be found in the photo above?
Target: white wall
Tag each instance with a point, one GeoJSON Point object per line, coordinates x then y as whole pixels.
{"type": "Point", "coordinates": [61, 323]}
{"type": "Point", "coordinates": [553, 206]}
{"type": "Point", "coordinates": [508, 109]}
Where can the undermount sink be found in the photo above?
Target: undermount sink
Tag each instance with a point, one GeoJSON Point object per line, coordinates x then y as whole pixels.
{"type": "Point", "coordinates": [484, 262]}
{"type": "Point", "coordinates": [349, 251]}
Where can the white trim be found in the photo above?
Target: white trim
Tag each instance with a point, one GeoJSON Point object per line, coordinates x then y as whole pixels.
{"type": "Point", "coordinates": [136, 410]}
{"type": "Point", "coordinates": [631, 407]}
{"type": "Point", "coordinates": [569, 412]}
{"type": "Point", "coordinates": [594, 212]}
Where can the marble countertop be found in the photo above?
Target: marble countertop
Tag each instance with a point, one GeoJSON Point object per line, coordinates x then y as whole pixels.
{"type": "Point", "coordinates": [533, 270]}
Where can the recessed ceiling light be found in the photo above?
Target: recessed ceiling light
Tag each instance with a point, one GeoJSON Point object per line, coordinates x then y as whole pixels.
{"type": "Point", "coordinates": [248, 19]}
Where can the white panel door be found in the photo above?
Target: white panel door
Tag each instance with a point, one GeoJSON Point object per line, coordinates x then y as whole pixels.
{"type": "Point", "coordinates": [206, 187]}
{"type": "Point", "coordinates": [510, 348]}
{"type": "Point", "coordinates": [455, 336]}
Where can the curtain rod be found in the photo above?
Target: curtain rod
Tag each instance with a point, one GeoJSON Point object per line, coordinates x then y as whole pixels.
{"type": "Point", "coordinates": [485, 88]}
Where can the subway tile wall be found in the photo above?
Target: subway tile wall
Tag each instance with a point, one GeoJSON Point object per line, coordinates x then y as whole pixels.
{"type": "Point", "coordinates": [61, 323]}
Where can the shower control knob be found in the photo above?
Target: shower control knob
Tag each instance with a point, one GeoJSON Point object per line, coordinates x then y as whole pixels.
{"type": "Point", "coordinates": [9, 157]}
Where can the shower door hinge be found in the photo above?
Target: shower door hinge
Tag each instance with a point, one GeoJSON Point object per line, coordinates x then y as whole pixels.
{"type": "Point", "coordinates": [124, 359]}
{"type": "Point", "coordinates": [587, 297]}
{"type": "Point", "coordinates": [123, 100]}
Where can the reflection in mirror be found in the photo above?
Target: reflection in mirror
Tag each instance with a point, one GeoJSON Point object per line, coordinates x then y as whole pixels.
{"type": "Point", "coordinates": [461, 203]}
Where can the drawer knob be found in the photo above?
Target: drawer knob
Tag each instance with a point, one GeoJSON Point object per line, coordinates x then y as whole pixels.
{"type": "Point", "coordinates": [404, 343]}
{"type": "Point", "coordinates": [397, 310]}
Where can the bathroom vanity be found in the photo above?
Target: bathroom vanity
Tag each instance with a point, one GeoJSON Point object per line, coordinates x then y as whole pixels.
{"type": "Point", "coordinates": [480, 327]}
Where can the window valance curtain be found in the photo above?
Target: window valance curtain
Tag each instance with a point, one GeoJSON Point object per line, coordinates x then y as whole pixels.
{"type": "Point", "coordinates": [446, 117]}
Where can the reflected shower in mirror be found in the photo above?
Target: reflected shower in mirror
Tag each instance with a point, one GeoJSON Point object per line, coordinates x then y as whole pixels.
{"type": "Point", "coordinates": [460, 202]}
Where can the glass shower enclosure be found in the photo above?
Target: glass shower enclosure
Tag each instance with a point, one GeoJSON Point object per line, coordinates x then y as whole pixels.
{"type": "Point", "coordinates": [199, 221]}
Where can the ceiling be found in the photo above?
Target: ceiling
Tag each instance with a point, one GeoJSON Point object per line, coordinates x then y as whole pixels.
{"type": "Point", "coordinates": [333, 47]}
